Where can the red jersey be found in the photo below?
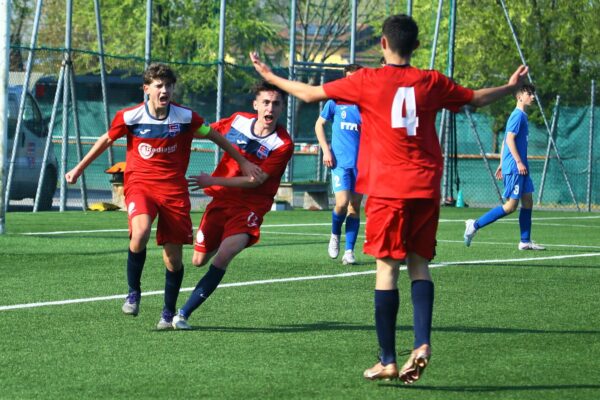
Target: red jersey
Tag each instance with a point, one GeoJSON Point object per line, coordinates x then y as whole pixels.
{"type": "Point", "coordinates": [271, 153]}
{"type": "Point", "coordinates": [158, 150]}
{"type": "Point", "coordinates": [399, 154]}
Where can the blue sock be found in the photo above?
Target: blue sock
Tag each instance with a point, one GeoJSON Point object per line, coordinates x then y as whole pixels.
{"type": "Point", "coordinates": [204, 288]}
{"type": "Point", "coordinates": [494, 214]}
{"type": "Point", "coordinates": [336, 223]}
{"type": "Point", "coordinates": [135, 265]}
{"type": "Point", "coordinates": [525, 224]}
{"type": "Point", "coordinates": [352, 225]}
{"type": "Point", "coordinates": [386, 311]}
{"type": "Point", "coordinates": [172, 286]}
{"type": "Point", "coordinates": [422, 298]}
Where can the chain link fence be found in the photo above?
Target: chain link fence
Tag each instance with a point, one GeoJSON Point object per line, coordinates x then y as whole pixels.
{"type": "Point", "coordinates": [573, 135]}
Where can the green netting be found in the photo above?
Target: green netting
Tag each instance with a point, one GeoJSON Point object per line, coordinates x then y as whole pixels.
{"type": "Point", "coordinates": [124, 89]}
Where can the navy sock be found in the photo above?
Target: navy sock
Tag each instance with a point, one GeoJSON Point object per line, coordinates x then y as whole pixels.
{"type": "Point", "coordinates": [352, 226]}
{"type": "Point", "coordinates": [135, 265]}
{"type": "Point", "coordinates": [172, 286]}
{"type": "Point", "coordinates": [494, 214]}
{"type": "Point", "coordinates": [422, 298]}
{"type": "Point", "coordinates": [525, 224]}
{"type": "Point", "coordinates": [336, 223]}
{"type": "Point", "coordinates": [386, 311]}
{"type": "Point", "coordinates": [204, 288]}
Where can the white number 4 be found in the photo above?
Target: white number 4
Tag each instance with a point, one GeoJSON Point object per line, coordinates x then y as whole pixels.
{"type": "Point", "coordinates": [405, 96]}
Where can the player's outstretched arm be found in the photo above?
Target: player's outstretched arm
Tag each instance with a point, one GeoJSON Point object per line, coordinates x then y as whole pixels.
{"type": "Point", "coordinates": [102, 143]}
{"type": "Point", "coordinates": [249, 169]}
{"type": "Point", "coordinates": [301, 90]}
{"type": "Point", "coordinates": [485, 96]}
{"type": "Point", "coordinates": [202, 181]}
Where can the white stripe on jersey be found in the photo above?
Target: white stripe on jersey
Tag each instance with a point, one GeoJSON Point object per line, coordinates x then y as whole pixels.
{"type": "Point", "coordinates": [244, 126]}
{"type": "Point", "coordinates": [139, 116]}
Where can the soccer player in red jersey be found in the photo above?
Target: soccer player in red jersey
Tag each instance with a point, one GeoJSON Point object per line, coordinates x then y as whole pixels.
{"type": "Point", "coordinates": [399, 168]}
{"type": "Point", "coordinates": [232, 220]}
{"type": "Point", "coordinates": [159, 138]}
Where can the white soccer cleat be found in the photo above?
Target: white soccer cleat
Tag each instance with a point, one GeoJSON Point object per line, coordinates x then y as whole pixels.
{"type": "Point", "coordinates": [348, 258]}
{"type": "Point", "coordinates": [470, 231]}
{"type": "Point", "coordinates": [530, 246]}
{"type": "Point", "coordinates": [166, 321]}
{"type": "Point", "coordinates": [180, 323]}
{"type": "Point", "coordinates": [132, 304]}
{"type": "Point", "coordinates": [334, 246]}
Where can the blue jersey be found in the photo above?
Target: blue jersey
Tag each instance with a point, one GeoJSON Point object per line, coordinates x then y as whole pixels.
{"type": "Point", "coordinates": [518, 125]}
{"type": "Point", "coordinates": [345, 132]}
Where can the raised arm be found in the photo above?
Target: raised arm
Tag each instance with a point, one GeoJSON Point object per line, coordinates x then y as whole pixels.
{"type": "Point", "coordinates": [301, 90]}
{"type": "Point", "coordinates": [102, 143]}
{"type": "Point", "coordinates": [485, 96]}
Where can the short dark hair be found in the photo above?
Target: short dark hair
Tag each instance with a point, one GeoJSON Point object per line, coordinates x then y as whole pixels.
{"type": "Point", "coordinates": [525, 88]}
{"type": "Point", "coordinates": [159, 71]}
{"type": "Point", "coordinates": [352, 68]}
{"type": "Point", "coordinates": [264, 86]}
{"type": "Point", "coordinates": [402, 33]}
{"type": "Point", "coordinates": [382, 60]}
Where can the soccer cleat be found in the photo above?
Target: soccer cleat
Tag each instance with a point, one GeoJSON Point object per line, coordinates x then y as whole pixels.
{"type": "Point", "coordinates": [413, 368]}
{"type": "Point", "coordinates": [530, 246]}
{"type": "Point", "coordinates": [348, 258]}
{"type": "Point", "coordinates": [132, 304]}
{"type": "Point", "coordinates": [180, 323]}
{"type": "Point", "coordinates": [334, 246]}
{"type": "Point", "coordinates": [166, 321]}
{"type": "Point", "coordinates": [380, 371]}
{"type": "Point", "coordinates": [469, 231]}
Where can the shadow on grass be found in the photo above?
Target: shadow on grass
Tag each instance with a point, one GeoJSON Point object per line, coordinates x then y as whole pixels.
{"type": "Point", "coordinates": [490, 388]}
{"type": "Point", "coordinates": [342, 326]}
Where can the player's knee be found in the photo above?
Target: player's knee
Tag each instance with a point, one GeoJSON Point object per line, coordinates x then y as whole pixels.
{"type": "Point", "coordinates": [199, 259]}
{"type": "Point", "coordinates": [341, 209]}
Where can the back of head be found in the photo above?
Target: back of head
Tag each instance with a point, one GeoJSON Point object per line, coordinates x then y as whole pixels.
{"type": "Point", "coordinates": [402, 34]}
{"type": "Point", "coordinates": [264, 86]}
{"type": "Point", "coordinates": [159, 71]}
{"type": "Point", "coordinates": [351, 68]}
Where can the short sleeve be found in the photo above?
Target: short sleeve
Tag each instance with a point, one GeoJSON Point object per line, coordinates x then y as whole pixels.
{"type": "Point", "coordinates": [347, 89]}
{"type": "Point", "coordinates": [118, 128]}
{"type": "Point", "coordinates": [328, 111]}
{"type": "Point", "coordinates": [449, 94]}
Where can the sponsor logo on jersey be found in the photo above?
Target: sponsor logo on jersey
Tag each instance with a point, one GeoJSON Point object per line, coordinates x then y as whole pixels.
{"type": "Point", "coordinates": [343, 114]}
{"type": "Point", "coordinates": [262, 152]}
{"type": "Point", "coordinates": [147, 151]}
{"type": "Point", "coordinates": [144, 131]}
{"type": "Point", "coordinates": [349, 126]}
{"type": "Point", "coordinates": [174, 129]}
{"type": "Point", "coordinates": [238, 141]}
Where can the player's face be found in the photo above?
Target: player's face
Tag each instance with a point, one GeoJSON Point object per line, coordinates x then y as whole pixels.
{"type": "Point", "coordinates": [159, 93]}
{"type": "Point", "coordinates": [268, 105]}
{"type": "Point", "coordinates": [526, 98]}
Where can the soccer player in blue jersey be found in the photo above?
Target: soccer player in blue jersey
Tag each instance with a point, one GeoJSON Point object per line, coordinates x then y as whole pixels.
{"type": "Point", "coordinates": [341, 157]}
{"type": "Point", "coordinates": [514, 168]}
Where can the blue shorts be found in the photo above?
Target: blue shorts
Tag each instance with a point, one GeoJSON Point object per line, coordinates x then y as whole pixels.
{"type": "Point", "coordinates": [516, 185]}
{"type": "Point", "coordinates": [343, 179]}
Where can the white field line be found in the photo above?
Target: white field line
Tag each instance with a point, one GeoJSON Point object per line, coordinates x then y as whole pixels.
{"type": "Point", "coordinates": [325, 224]}
{"type": "Point", "coordinates": [292, 279]}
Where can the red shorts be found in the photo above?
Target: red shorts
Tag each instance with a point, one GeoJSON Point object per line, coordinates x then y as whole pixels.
{"type": "Point", "coordinates": [395, 227]}
{"type": "Point", "coordinates": [222, 220]}
{"type": "Point", "coordinates": [174, 222]}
